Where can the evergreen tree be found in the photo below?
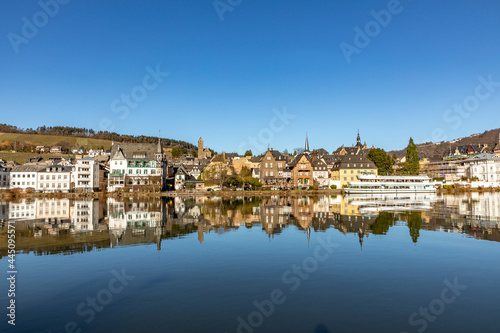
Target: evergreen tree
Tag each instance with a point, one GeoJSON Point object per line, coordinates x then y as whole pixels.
{"type": "Point", "coordinates": [412, 165]}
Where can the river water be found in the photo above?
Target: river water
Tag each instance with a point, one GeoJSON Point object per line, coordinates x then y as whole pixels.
{"type": "Point", "coordinates": [256, 264]}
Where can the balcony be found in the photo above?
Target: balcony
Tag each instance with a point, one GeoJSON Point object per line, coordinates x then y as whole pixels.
{"type": "Point", "coordinates": [117, 174]}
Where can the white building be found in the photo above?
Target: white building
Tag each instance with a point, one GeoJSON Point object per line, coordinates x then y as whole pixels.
{"type": "Point", "coordinates": [135, 165]}
{"type": "Point", "coordinates": [24, 176]}
{"type": "Point", "coordinates": [320, 172]}
{"type": "Point", "coordinates": [54, 178]}
{"type": "Point", "coordinates": [86, 174]}
{"type": "Point", "coordinates": [484, 167]}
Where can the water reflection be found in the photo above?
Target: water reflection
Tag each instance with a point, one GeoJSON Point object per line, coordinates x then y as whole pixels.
{"type": "Point", "coordinates": [52, 226]}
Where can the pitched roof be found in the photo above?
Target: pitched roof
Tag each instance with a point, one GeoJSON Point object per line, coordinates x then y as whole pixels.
{"type": "Point", "coordinates": [483, 157]}
{"type": "Point", "coordinates": [354, 162]}
{"type": "Point", "coordinates": [134, 151]}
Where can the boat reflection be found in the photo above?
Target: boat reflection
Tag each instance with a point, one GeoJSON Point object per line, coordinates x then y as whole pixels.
{"type": "Point", "coordinates": [51, 226]}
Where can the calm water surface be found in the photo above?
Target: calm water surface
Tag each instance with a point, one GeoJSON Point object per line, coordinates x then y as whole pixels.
{"type": "Point", "coordinates": [303, 264]}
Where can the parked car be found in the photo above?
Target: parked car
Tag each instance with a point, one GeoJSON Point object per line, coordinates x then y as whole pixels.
{"type": "Point", "coordinates": [239, 189]}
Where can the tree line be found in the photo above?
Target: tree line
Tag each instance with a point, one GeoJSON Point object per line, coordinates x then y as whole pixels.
{"type": "Point", "coordinates": [90, 133]}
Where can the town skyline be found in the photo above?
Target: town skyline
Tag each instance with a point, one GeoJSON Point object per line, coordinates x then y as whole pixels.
{"type": "Point", "coordinates": [261, 149]}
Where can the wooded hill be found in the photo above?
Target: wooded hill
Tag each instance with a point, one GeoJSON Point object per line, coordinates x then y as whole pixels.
{"type": "Point", "coordinates": [15, 138]}
{"type": "Point", "coordinates": [438, 150]}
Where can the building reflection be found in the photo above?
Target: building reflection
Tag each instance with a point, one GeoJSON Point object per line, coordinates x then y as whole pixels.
{"type": "Point", "coordinates": [47, 226]}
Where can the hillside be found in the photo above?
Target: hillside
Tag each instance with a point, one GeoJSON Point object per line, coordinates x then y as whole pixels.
{"type": "Point", "coordinates": [7, 139]}
{"type": "Point", "coordinates": [70, 136]}
{"type": "Point", "coordinates": [438, 150]}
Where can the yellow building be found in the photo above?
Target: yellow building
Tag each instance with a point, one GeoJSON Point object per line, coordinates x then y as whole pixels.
{"type": "Point", "coordinates": [349, 167]}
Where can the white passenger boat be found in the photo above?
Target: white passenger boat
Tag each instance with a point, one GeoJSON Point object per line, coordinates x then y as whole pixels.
{"type": "Point", "coordinates": [370, 184]}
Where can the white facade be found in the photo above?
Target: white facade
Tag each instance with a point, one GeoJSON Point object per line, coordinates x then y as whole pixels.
{"type": "Point", "coordinates": [484, 167]}
{"type": "Point", "coordinates": [86, 174]}
{"type": "Point", "coordinates": [136, 164]}
{"type": "Point", "coordinates": [24, 176]}
{"type": "Point", "coordinates": [54, 178]}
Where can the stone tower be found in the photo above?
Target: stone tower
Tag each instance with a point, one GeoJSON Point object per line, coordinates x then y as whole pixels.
{"type": "Point", "coordinates": [200, 148]}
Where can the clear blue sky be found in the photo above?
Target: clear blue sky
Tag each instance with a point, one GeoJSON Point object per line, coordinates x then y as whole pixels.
{"type": "Point", "coordinates": [227, 76]}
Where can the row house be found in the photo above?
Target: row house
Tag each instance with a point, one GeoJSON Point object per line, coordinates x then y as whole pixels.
{"type": "Point", "coordinates": [271, 168]}
{"type": "Point", "coordinates": [321, 175]}
{"type": "Point", "coordinates": [302, 169]}
{"type": "Point", "coordinates": [24, 176]}
{"type": "Point", "coordinates": [54, 178]}
{"type": "Point", "coordinates": [52, 175]}
{"type": "Point", "coordinates": [349, 167]}
{"type": "Point", "coordinates": [136, 165]}
{"type": "Point", "coordinates": [86, 174]}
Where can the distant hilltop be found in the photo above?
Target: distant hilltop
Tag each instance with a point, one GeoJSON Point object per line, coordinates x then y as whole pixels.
{"type": "Point", "coordinates": [480, 141]}
{"type": "Point", "coordinates": [19, 139]}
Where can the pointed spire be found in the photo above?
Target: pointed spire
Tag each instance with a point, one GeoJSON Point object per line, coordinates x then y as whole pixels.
{"type": "Point", "coordinates": [159, 143]}
{"type": "Point", "coordinates": [306, 150]}
{"type": "Point", "coordinates": [358, 139]}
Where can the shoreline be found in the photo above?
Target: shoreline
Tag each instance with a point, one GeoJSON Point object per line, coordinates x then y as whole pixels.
{"type": "Point", "coordinates": [7, 195]}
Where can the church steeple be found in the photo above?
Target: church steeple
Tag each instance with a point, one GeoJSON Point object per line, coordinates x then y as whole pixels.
{"type": "Point", "coordinates": [306, 150]}
{"type": "Point", "coordinates": [159, 150]}
{"type": "Point", "coordinates": [358, 139]}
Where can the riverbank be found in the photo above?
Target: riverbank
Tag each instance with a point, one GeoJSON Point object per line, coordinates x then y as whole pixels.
{"type": "Point", "coordinates": [11, 195]}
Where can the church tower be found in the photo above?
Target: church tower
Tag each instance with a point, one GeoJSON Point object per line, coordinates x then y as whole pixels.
{"type": "Point", "coordinates": [200, 148]}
